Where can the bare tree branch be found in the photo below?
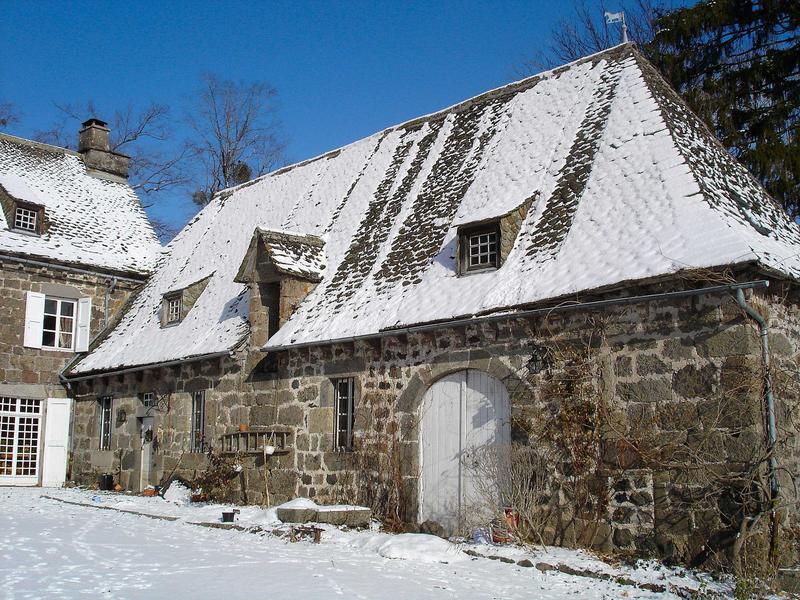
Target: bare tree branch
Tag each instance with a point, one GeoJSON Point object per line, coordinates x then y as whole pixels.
{"type": "Point", "coordinates": [237, 136]}
{"type": "Point", "coordinates": [9, 114]}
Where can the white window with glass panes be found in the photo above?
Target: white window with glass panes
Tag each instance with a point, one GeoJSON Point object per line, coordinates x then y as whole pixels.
{"type": "Point", "coordinates": [20, 425]}
{"type": "Point", "coordinates": [54, 323]}
{"type": "Point", "coordinates": [25, 219]}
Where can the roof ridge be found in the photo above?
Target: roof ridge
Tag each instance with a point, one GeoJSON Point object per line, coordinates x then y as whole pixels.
{"type": "Point", "coordinates": [513, 86]}
{"type": "Point", "coordinates": [662, 93]}
{"type": "Point", "coordinates": [36, 144]}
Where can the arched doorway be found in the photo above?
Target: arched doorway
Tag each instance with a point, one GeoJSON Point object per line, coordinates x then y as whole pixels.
{"type": "Point", "coordinates": [463, 415]}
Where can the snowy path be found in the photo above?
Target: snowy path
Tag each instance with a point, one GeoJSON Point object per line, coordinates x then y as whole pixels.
{"type": "Point", "coordinates": [55, 550]}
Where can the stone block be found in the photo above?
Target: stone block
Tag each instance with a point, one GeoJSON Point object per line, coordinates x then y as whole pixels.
{"type": "Point", "coordinates": [340, 515]}
{"type": "Point", "coordinates": [736, 340]}
{"type": "Point", "coordinates": [679, 348]}
{"type": "Point", "coordinates": [623, 366]}
{"type": "Point", "coordinates": [646, 390]}
{"type": "Point", "coordinates": [650, 364]}
{"type": "Point", "coordinates": [291, 415]}
{"type": "Point", "coordinates": [320, 420]}
{"type": "Point", "coordinates": [297, 515]}
{"type": "Point", "coordinates": [691, 382]}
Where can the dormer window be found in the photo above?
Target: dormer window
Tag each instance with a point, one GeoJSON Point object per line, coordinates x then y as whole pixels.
{"type": "Point", "coordinates": [24, 218]}
{"type": "Point", "coordinates": [178, 302]}
{"type": "Point", "coordinates": [172, 309]}
{"type": "Point", "coordinates": [28, 217]}
{"type": "Point", "coordinates": [479, 248]}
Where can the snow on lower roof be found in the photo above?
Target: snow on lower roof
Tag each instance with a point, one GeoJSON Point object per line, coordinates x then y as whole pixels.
{"type": "Point", "coordinates": [92, 221]}
{"type": "Point", "coordinates": [625, 184]}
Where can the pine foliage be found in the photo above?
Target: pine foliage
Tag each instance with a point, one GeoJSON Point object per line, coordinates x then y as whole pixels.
{"type": "Point", "coordinates": [737, 64]}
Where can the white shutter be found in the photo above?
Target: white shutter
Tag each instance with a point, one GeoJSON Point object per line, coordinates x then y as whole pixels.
{"type": "Point", "coordinates": [34, 315]}
{"type": "Point", "coordinates": [56, 441]}
{"type": "Point", "coordinates": [84, 318]}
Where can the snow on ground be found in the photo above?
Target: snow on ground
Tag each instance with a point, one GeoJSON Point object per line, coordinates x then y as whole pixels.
{"type": "Point", "coordinates": [49, 549]}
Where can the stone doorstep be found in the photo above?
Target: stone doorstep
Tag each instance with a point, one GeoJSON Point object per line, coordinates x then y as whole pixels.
{"type": "Point", "coordinates": [352, 517]}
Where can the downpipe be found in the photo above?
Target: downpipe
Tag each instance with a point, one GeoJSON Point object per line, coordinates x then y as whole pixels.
{"type": "Point", "coordinates": [772, 429]}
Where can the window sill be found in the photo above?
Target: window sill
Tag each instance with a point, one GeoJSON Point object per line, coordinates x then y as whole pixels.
{"type": "Point", "coordinates": [478, 271]}
{"type": "Point", "coordinates": [27, 232]}
{"type": "Point", "coordinates": [62, 350]}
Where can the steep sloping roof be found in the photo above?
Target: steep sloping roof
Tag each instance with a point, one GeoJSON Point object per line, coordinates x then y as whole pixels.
{"type": "Point", "coordinates": [92, 221]}
{"type": "Point", "coordinates": [625, 184]}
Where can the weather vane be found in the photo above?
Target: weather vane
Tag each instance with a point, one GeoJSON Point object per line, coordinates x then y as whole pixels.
{"type": "Point", "coordinates": [618, 17]}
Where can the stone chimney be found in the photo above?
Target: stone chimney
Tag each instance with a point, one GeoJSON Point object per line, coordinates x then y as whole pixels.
{"type": "Point", "coordinates": [93, 144]}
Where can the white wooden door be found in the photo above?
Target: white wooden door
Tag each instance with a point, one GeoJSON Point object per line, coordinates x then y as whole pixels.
{"type": "Point", "coordinates": [462, 415]}
{"type": "Point", "coordinates": [146, 455]}
{"type": "Point", "coordinates": [20, 425]}
{"type": "Point", "coordinates": [56, 442]}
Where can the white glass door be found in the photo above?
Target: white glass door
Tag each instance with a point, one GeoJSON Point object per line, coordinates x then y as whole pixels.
{"type": "Point", "coordinates": [20, 426]}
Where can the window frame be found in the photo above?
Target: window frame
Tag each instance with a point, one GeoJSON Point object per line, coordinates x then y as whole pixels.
{"type": "Point", "coordinates": [169, 299]}
{"type": "Point", "coordinates": [466, 235]}
{"type": "Point", "coordinates": [345, 445]}
{"type": "Point", "coordinates": [58, 332]}
{"type": "Point", "coordinates": [197, 434]}
{"type": "Point", "coordinates": [35, 211]}
{"type": "Point", "coordinates": [148, 402]}
{"type": "Point", "coordinates": [106, 405]}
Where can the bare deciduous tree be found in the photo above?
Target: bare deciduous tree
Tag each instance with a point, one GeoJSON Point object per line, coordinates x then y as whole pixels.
{"type": "Point", "coordinates": [8, 114]}
{"type": "Point", "coordinates": [587, 31]}
{"type": "Point", "coordinates": [151, 170]}
{"type": "Point", "coordinates": [236, 133]}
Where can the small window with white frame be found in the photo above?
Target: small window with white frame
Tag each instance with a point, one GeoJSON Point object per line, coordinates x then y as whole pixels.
{"type": "Point", "coordinates": [58, 323]}
{"type": "Point", "coordinates": [344, 401]}
{"type": "Point", "coordinates": [148, 399]}
{"type": "Point", "coordinates": [26, 218]}
{"type": "Point", "coordinates": [105, 423]}
{"type": "Point", "coordinates": [173, 306]}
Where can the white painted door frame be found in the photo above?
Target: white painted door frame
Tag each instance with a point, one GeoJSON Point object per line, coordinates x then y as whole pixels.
{"type": "Point", "coordinates": [56, 441]}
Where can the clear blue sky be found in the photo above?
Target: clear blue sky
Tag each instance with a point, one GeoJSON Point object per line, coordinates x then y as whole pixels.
{"type": "Point", "coordinates": [343, 69]}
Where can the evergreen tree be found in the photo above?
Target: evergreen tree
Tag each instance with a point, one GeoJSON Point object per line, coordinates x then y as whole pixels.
{"type": "Point", "coordinates": [737, 64]}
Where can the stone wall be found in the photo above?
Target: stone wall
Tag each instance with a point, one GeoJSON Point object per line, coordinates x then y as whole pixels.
{"type": "Point", "coordinates": [38, 369]}
{"type": "Point", "coordinates": [660, 402]}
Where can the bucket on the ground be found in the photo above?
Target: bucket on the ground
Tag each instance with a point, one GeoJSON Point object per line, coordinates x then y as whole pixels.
{"type": "Point", "coordinates": [229, 515]}
{"type": "Point", "coordinates": [106, 482]}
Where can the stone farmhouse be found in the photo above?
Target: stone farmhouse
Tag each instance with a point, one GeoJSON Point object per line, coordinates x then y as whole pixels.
{"type": "Point", "coordinates": [562, 295]}
{"type": "Point", "coordinates": [74, 244]}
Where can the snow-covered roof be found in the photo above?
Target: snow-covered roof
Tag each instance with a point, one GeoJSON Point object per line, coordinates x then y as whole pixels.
{"type": "Point", "coordinates": [297, 255]}
{"type": "Point", "coordinates": [92, 220]}
{"type": "Point", "coordinates": [625, 184]}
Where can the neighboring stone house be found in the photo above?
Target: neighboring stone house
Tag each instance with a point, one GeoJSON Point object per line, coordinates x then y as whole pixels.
{"type": "Point", "coordinates": [74, 244]}
{"type": "Point", "coordinates": [559, 269]}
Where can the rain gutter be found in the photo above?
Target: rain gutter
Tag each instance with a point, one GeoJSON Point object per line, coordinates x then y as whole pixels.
{"type": "Point", "coordinates": [39, 263]}
{"type": "Point", "coordinates": [597, 304]}
{"type": "Point", "coordinates": [157, 365]}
